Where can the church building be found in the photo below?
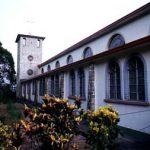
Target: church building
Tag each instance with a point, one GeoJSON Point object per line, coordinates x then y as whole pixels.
{"type": "Point", "coordinates": [111, 66]}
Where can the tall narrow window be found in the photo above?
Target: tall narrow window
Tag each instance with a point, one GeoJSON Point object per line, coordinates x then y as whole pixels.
{"type": "Point", "coordinates": [33, 87]}
{"type": "Point", "coordinates": [87, 52]}
{"type": "Point", "coordinates": [57, 91]}
{"type": "Point", "coordinates": [114, 80]}
{"type": "Point", "coordinates": [42, 87]}
{"type": "Point", "coordinates": [24, 90]}
{"type": "Point", "coordinates": [116, 41]}
{"type": "Point", "coordinates": [52, 85]}
{"type": "Point", "coordinates": [81, 83]}
{"type": "Point", "coordinates": [38, 43]}
{"type": "Point", "coordinates": [69, 59]}
{"type": "Point", "coordinates": [24, 41]}
{"type": "Point", "coordinates": [72, 83]}
{"type": "Point", "coordinates": [136, 79]}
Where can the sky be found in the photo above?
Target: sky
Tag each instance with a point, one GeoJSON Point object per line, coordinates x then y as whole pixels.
{"type": "Point", "coordinates": [62, 22]}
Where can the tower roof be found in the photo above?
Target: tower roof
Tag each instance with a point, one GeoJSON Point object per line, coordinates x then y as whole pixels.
{"type": "Point", "coordinates": [30, 36]}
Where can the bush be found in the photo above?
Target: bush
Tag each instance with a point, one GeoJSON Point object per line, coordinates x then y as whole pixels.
{"type": "Point", "coordinates": [52, 125]}
{"type": "Point", "coordinates": [55, 122]}
{"type": "Point", "coordinates": [102, 127]}
{"type": "Point", "coordinates": [5, 136]}
{"type": "Point", "coordinates": [10, 136]}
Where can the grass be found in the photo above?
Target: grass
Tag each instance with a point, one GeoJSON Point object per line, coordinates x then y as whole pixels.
{"type": "Point", "coordinates": [11, 112]}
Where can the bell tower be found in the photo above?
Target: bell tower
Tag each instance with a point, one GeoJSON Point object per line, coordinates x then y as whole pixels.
{"type": "Point", "coordinates": [29, 55]}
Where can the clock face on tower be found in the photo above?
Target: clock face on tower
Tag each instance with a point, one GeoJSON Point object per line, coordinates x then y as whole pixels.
{"type": "Point", "coordinates": [30, 57]}
{"type": "Point", "coordinates": [30, 72]}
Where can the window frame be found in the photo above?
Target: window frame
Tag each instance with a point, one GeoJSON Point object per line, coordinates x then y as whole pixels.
{"type": "Point", "coordinates": [57, 65]}
{"type": "Point", "coordinates": [114, 80]}
{"type": "Point", "coordinates": [136, 78]}
{"type": "Point", "coordinates": [72, 83]}
{"type": "Point", "coordinates": [112, 39]}
{"type": "Point", "coordinates": [69, 59]}
{"type": "Point", "coordinates": [81, 82]}
{"type": "Point", "coordinates": [87, 52]}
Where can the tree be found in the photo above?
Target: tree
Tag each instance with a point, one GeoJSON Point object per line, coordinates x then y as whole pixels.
{"type": "Point", "coordinates": [7, 73]}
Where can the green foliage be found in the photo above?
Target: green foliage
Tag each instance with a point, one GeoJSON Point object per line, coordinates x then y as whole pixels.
{"type": "Point", "coordinates": [102, 127]}
{"type": "Point", "coordinates": [13, 111]}
{"type": "Point", "coordinates": [53, 124]}
{"type": "Point", "coordinates": [7, 74]}
{"type": "Point", "coordinates": [10, 136]}
{"type": "Point", "coordinates": [5, 136]}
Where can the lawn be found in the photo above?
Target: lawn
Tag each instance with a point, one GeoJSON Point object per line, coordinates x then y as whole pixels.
{"type": "Point", "coordinates": [11, 112]}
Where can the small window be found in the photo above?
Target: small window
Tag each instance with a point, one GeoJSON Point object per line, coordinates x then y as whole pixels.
{"type": "Point", "coordinates": [42, 70]}
{"type": "Point", "coordinates": [24, 41]}
{"type": "Point", "coordinates": [69, 59]}
{"type": "Point", "coordinates": [116, 41]}
{"type": "Point", "coordinates": [57, 64]}
{"type": "Point", "coordinates": [87, 52]}
{"type": "Point", "coordinates": [48, 68]}
{"type": "Point", "coordinates": [38, 43]}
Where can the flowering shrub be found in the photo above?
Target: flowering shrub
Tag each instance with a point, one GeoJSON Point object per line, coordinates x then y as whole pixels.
{"type": "Point", "coordinates": [102, 127]}
{"type": "Point", "coordinates": [53, 124]}
{"type": "Point", "coordinates": [9, 137]}
{"type": "Point", "coordinates": [5, 136]}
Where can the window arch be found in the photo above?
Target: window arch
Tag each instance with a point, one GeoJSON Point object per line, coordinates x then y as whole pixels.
{"type": "Point", "coordinates": [116, 41]}
{"type": "Point", "coordinates": [114, 80]}
{"type": "Point", "coordinates": [48, 68]}
{"type": "Point", "coordinates": [81, 82]}
{"type": "Point", "coordinates": [69, 59]}
{"type": "Point", "coordinates": [136, 78]}
{"type": "Point", "coordinates": [57, 64]}
{"type": "Point", "coordinates": [72, 83]}
{"type": "Point", "coordinates": [87, 52]}
{"type": "Point", "coordinates": [42, 70]}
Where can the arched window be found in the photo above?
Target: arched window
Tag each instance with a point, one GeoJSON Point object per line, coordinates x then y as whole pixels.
{"type": "Point", "coordinates": [87, 52]}
{"type": "Point", "coordinates": [48, 68]}
{"type": "Point", "coordinates": [52, 86]}
{"type": "Point", "coordinates": [57, 64]}
{"type": "Point", "coordinates": [81, 82]}
{"type": "Point", "coordinates": [57, 90]}
{"type": "Point", "coordinates": [116, 41]}
{"type": "Point", "coordinates": [69, 59]}
{"type": "Point", "coordinates": [136, 79]}
{"type": "Point", "coordinates": [42, 70]}
{"type": "Point", "coordinates": [72, 83]}
{"type": "Point", "coordinates": [114, 80]}
{"type": "Point", "coordinates": [42, 87]}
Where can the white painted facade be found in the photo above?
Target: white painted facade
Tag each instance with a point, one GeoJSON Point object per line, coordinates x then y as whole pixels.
{"type": "Point", "coordinates": [134, 114]}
